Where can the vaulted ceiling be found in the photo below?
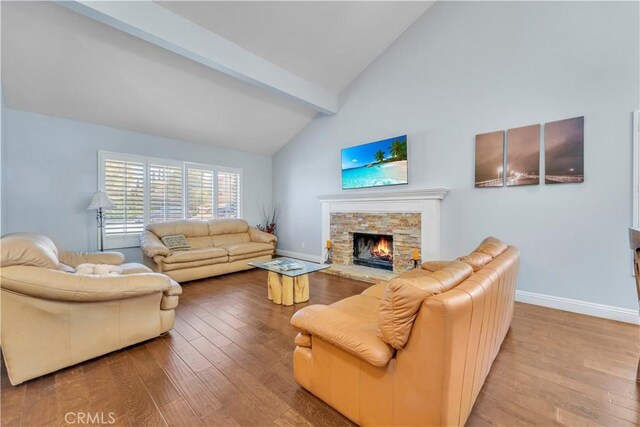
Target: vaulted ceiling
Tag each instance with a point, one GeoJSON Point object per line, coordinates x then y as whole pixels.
{"type": "Point", "coordinates": [59, 62]}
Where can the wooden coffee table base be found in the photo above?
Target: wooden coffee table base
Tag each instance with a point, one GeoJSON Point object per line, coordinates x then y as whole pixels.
{"type": "Point", "coordinates": [287, 290]}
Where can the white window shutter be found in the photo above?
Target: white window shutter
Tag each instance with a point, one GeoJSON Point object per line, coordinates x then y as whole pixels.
{"type": "Point", "coordinates": [199, 193]}
{"type": "Point", "coordinates": [124, 183]}
{"type": "Point", "coordinates": [165, 193]}
{"type": "Point", "coordinates": [228, 195]}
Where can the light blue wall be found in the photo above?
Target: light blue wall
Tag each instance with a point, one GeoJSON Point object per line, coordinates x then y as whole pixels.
{"type": "Point", "coordinates": [51, 173]}
{"type": "Point", "coordinates": [468, 68]}
{"type": "Point", "coordinates": [3, 196]}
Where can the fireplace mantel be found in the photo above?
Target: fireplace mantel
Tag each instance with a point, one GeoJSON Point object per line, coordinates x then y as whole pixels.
{"type": "Point", "coordinates": [424, 201]}
{"type": "Point", "coordinates": [423, 194]}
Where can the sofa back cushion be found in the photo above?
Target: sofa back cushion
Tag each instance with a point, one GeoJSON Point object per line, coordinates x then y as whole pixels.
{"type": "Point", "coordinates": [200, 242]}
{"type": "Point", "coordinates": [403, 297]}
{"type": "Point", "coordinates": [476, 260]}
{"type": "Point", "coordinates": [230, 239]}
{"type": "Point", "coordinates": [227, 226]}
{"type": "Point", "coordinates": [28, 249]}
{"type": "Point", "coordinates": [492, 246]}
{"type": "Point", "coordinates": [190, 228]}
{"type": "Point", "coordinates": [485, 253]}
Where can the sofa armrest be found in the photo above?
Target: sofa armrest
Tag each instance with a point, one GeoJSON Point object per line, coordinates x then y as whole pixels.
{"type": "Point", "coordinates": [260, 236]}
{"type": "Point", "coordinates": [344, 331]}
{"type": "Point", "coordinates": [56, 285]}
{"type": "Point", "coordinates": [435, 265]}
{"type": "Point", "coordinates": [74, 259]}
{"type": "Point", "coordinates": [152, 246]}
{"type": "Point", "coordinates": [174, 289]}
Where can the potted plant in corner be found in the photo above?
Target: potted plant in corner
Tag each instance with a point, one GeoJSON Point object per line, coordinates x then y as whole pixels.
{"type": "Point", "coordinates": [269, 221]}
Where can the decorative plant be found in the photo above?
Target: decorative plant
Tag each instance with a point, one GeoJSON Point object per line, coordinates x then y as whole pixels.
{"type": "Point", "coordinates": [269, 221]}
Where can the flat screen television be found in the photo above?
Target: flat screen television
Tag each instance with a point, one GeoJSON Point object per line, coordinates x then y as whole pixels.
{"type": "Point", "coordinates": [375, 164]}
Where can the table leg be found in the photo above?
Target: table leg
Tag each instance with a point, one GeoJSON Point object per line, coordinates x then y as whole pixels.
{"type": "Point", "coordinates": [301, 289]}
{"type": "Point", "coordinates": [274, 287]}
{"type": "Point", "coordinates": [287, 290]}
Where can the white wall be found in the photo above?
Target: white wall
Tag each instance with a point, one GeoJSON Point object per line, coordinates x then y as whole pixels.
{"type": "Point", "coordinates": [469, 68]}
{"type": "Point", "coordinates": [51, 173]}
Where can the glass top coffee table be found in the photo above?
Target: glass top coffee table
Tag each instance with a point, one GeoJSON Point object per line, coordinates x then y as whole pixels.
{"type": "Point", "coordinates": [288, 280]}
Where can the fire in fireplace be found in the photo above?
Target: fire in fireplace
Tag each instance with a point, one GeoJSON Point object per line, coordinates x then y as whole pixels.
{"type": "Point", "coordinates": [373, 250]}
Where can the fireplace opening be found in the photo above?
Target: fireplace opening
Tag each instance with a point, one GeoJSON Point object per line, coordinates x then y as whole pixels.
{"type": "Point", "coordinates": [373, 250]}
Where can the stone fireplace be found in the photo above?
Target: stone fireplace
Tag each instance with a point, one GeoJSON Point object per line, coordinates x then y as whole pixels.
{"type": "Point", "coordinates": [405, 219]}
{"type": "Point", "coordinates": [401, 229]}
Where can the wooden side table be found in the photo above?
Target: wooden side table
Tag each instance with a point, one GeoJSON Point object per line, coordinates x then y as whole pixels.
{"type": "Point", "coordinates": [287, 290]}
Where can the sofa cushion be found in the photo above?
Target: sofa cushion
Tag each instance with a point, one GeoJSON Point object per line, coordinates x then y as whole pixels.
{"type": "Point", "coordinates": [375, 291]}
{"type": "Point", "coordinates": [253, 255]}
{"type": "Point", "coordinates": [194, 264]}
{"type": "Point", "coordinates": [227, 226]}
{"type": "Point", "coordinates": [404, 295]}
{"type": "Point", "coordinates": [28, 249]}
{"type": "Point", "coordinates": [364, 307]}
{"type": "Point", "coordinates": [134, 268]}
{"type": "Point", "coordinates": [492, 246]}
{"type": "Point", "coordinates": [190, 228]}
{"type": "Point", "coordinates": [434, 265]}
{"type": "Point", "coordinates": [230, 239]}
{"type": "Point", "coordinates": [346, 330]}
{"type": "Point", "coordinates": [476, 260]}
{"type": "Point", "coordinates": [247, 248]}
{"type": "Point", "coordinates": [414, 272]}
{"type": "Point", "coordinates": [200, 242]}
{"type": "Point", "coordinates": [195, 255]}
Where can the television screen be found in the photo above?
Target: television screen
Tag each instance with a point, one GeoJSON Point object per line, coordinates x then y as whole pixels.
{"type": "Point", "coordinates": [375, 164]}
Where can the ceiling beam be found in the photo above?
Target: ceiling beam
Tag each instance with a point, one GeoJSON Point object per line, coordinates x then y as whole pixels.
{"type": "Point", "coordinates": [162, 27]}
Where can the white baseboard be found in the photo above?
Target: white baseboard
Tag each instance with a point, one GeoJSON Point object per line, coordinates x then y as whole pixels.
{"type": "Point", "coordinates": [582, 307]}
{"type": "Point", "coordinates": [298, 255]}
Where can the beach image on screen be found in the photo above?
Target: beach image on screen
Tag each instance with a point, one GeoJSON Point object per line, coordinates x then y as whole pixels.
{"type": "Point", "coordinates": [375, 164]}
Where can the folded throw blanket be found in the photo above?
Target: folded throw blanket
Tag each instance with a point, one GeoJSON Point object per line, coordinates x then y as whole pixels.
{"type": "Point", "coordinates": [99, 269]}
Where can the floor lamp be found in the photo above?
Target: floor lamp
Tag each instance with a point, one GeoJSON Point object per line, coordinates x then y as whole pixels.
{"type": "Point", "coordinates": [100, 202]}
{"type": "Point", "coordinates": [634, 242]}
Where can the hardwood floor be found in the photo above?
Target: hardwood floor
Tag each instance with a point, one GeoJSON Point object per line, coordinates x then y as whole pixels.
{"type": "Point", "coordinates": [228, 362]}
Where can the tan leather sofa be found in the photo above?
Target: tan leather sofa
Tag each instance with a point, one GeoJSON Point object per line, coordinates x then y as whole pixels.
{"type": "Point", "coordinates": [217, 247]}
{"type": "Point", "coordinates": [53, 318]}
{"type": "Point", "coordinates": [414, 351]}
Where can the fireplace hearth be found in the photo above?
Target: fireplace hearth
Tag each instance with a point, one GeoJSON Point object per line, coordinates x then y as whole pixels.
{"type": "Point", "coordinates": [373, 250]}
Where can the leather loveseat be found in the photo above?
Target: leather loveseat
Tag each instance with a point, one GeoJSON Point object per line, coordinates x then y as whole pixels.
{"type": "Point", "coordinates": [414, 351]}
{"type": "Point", "coordinates": [53, 318]}
{"type": "Point", "coordinates": [216, 247]}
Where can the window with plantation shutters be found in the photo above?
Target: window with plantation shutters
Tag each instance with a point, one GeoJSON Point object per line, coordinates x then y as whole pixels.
{"type": "Point", "coordinates": [165, 192]}
{"type": "Point", "coordinates": [228, 195]}
{"type": "Point", "coordinates": [148, 190]}
{"type": "Point", "coordinates": [124, 183]}
{"type": "Point", "coordinates": [200, 193]}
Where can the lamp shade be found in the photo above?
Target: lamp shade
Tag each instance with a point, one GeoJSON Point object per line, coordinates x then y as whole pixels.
{"type": "Point", "coordinates": [100, 200]}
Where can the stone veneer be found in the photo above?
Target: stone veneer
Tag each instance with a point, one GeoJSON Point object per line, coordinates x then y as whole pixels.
{"type": "Point", "coordinates": [404, 227]}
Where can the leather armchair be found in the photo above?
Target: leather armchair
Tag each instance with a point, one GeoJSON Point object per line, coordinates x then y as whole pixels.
{"type": "Point", "coordinates": [413, 351]}
{"type": "Point", "coordinates": [53, 318]}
